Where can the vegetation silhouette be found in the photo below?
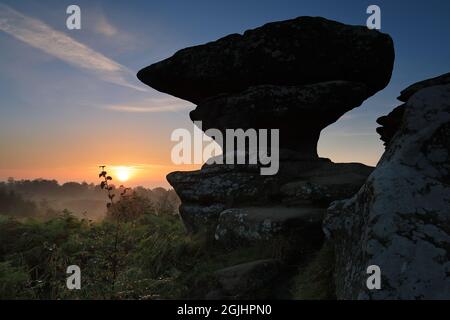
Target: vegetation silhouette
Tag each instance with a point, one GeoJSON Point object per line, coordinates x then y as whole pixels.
{"type": "Point", "coordinates": [139, 250]}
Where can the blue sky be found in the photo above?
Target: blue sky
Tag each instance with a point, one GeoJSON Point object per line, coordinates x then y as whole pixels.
{"type": "Point", "coordinates": [64, 112]}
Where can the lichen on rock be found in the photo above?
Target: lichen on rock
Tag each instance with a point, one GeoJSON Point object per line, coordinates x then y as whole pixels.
{"type": "Point", "coordinates": [399, 220]}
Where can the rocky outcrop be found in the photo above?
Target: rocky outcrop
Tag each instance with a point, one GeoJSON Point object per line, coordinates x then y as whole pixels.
{"type": "Point", "coordinates": [408, 92]}
{"type": "Point", "coordinates": [297, 76]}
{"type": "Point", "coordinates": [390, 124]}
{"type": "Point", "coordinates": [400, 218]}
{"type": "Point", "coordinates": [299, 185]}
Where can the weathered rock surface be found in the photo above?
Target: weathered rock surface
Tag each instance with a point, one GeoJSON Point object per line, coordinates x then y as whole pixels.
{"type": "Point", "coordinates": [439, 80]}
{"type": "Point", "coordinates": [400, 219]}
{"type": "Point", "coordinates": [325, 183]}
{"type": "Point", "coordinates": [238, 226]}
{"type": "Point", "coordinates": [300, 51]}
{"type": "Point", "coordinates": [390, 124]}
{"type": "Point", "coordinates": [299, 112]}
{"type": "Point", "coordinates": [207, 192]}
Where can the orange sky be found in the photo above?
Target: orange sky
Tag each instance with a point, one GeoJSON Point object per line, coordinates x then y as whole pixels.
{"type": "Point", "coordinates": [79, 161]}
{"type": "Point", "coordinates": [151, 176]}
{"type": "Point", "coordinates": [71, 105]}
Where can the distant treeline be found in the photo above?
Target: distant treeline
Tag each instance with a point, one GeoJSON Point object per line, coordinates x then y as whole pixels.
{"type": "Point", "coordinates": [46, 198]}
{"type": "Point", "coordinates": [14, 204]}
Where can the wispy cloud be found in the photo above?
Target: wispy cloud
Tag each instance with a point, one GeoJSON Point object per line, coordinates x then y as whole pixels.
{"type": "Point", "coordinates": [39, 35]}
{"type": "Point", "coordinates": [152, 105]}
{"type": "Point", "coordinates": [104, 27]}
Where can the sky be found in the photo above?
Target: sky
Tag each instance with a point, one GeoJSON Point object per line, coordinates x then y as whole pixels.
{"type": "Point", "coordinates": [70, 100]}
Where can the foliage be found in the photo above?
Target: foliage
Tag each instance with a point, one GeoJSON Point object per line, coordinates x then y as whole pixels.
{"type": "Point", "coordinates": [46, 199]}
{"type": "Point", "coordinates": [155, 258]}
{"type": "Point", "coordinates": [13, 204]}
{"type": "Point", "coordinates": [139, 251]}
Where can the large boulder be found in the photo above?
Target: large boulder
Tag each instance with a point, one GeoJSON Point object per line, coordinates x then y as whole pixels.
{"type": "Point", "coordinates": [400, 219]}
{"type": "Point", "coordinates": [300, 51]}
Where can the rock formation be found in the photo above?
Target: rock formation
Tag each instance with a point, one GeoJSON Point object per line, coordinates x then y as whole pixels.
{"type": "Point", "coordinates": [408, 92]}
{"type": "Point", "coordinates": [390, 124]}
{"type": "Point", "coordinates": [297, 76]}
{"type": "Point", "coordinates": [300, 51]}
{"type": "Point", "coordinates": [400, 218]}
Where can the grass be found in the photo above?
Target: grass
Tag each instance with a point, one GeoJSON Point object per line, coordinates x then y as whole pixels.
{"type": "Point", "coordinates": [155, 258]}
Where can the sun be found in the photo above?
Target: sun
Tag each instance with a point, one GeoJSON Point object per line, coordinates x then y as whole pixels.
{"type": "Point", "coordinates": [123, 173]}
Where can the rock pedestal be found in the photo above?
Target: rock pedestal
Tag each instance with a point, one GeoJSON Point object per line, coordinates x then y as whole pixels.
{"type": "Point", "coordinates": [298, 76]}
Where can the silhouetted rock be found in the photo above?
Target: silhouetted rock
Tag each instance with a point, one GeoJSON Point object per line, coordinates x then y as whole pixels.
{"type": "Point", "coordinates": [304, 184]}
{"type": "Point", "coordinates": [299, 112]}
{"type": "Point", "coordinates": [300, 51]}
{"type": "Point", "coordinates": [390, 124]}
{"type": "Point", "coordinates": [439, 80]}
{"type": "Point", "coordinates": [399, 220]}
{"type": "Point", "coordinates": [298, 76]}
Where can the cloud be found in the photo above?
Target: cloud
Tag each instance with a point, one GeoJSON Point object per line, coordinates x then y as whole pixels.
{"type": "Point", "coordinates": [104, 27]}
{"type": "Point", "coordinates": [164, 104]}
{"type": "Point", "coordinates": [39, 35]}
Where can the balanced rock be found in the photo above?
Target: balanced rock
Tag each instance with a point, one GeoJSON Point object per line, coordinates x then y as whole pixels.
{"type": "Point", "coordinates": [400, 219]}
{"type": "Point", "coordinates": [300, 51]}
{"type": "Point", "coordinates": [297, 76]}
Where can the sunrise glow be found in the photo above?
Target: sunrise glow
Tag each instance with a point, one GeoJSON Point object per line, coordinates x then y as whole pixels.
{"type": "Point", "coordinates": [123, 174]}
